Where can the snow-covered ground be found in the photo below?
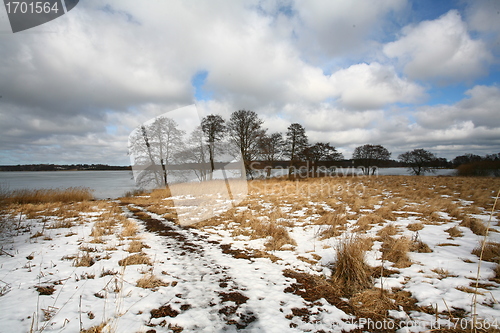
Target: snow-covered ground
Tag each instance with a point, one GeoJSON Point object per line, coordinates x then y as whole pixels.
{"type": "Point", "coordinates": [211, 279]}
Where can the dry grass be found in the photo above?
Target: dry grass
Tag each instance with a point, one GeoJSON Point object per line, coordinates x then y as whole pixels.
{"type": "Point", "coordinates": [386, 213]}
{"type": "Point", "coordinates": [250, 225]}
{"type": "Point", "coordinates": [372, 303]}
{"type": "Point", "coordinates": [491, 252]}
{"type": "Point", "coordinates": [136, 246]}
{"type": "Point", "coordinates": [84, 260]}
{"type": "Point", "coordinates": [336, 224]}
{"type": "Point", "coordinates": [442, 273]}
{"type": "Point", "coordinates": [95, 329]}
{"type": "Point", "coordinates": [135, 259]}
{"type": "Point", "coordinates": [387, 231]}
{"type": "Point", "coordinates": [475, 225]}
{"type": "Point", "coordinates": [415, 226]}
{"type": "Point", "coordinates": [26, 196]}
{"type": "Point", "coordinates": [396, 250]}
{"type": "Point", "coordinates": [417, 245]}
{"type": "Point", "coordinates": [496, 270]}
{"type": "Point", "coordinates": [150, 281]}
{"type": "Point", "coordinates": [350, 269]}
{"type": "Point", "coordinates": [279, 237]}
{"type": "Point", "coordinates": [366, 222]}
{"type": "Point", "coordinates": [454, 232]}
{"type": "Point", "coordinates": [468, 290]}
{"type": "Point", "coordinates": [61, 224]}
{"type": "Point", "coordinates": [130, 228]}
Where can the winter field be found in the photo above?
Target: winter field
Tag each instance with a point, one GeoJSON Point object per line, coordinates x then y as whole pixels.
{"type": "Point", "coordinates": [343, 254]}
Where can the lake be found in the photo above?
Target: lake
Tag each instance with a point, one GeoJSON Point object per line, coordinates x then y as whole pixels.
{"type": "Point", "coordinates": [105, 184]}
{"type": "Point", "coordinates": [111, 184]}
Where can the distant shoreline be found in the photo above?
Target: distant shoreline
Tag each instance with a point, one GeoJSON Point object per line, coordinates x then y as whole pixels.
{"type": "Point", "coordinates": [59, 167]}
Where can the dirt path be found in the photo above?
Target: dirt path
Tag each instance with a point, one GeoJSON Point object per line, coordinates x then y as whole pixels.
{"type": "Point", "coordinates": [219, 289]}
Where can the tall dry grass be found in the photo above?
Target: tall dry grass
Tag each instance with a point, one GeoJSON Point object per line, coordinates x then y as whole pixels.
{"type": "Point", "coordinates": [396, 250]}
{"type": "Point", "coordinates": [350, 271]}
{"type": "Point", "coordinates": [27, 196]}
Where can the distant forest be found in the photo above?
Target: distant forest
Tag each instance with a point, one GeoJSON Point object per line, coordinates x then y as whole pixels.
{"type": "Point", "coordinates": [59, 167]}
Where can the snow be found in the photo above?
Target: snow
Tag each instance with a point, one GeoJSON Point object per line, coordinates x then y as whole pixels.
{"type": "Point", "coordinates": [203, 283]}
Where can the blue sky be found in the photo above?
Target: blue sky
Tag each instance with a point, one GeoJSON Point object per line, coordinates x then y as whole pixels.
{"type": "Point", "coordinates": [401, 73]}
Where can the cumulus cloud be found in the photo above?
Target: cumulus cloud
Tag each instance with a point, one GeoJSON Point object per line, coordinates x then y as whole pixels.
{"type": "Point", "coordinates": [75, 88]}
{"type": "Point", "coordinates": [441, 49]}
{"type": "Point", "coordinates": [479, 110]}
{"type": "Point", "coordinates": [371, 86]}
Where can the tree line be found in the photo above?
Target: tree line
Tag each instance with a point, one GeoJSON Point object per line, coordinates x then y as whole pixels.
{"type": "Point", "coordinates": [218, 141]}
{"type": "Point", "coordinates": [62, 167]}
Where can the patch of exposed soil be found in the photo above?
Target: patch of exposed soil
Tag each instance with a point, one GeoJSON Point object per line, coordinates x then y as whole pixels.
{"type": "Point", "coordinates": [164, 311]}
{"type": "Point", "coordinates": [312, 288]}
{"type": "Point", "coordinates": [45, 290]}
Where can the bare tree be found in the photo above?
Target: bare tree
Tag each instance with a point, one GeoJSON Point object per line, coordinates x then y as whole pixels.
{"type": "Point", "coordinates": [196, 152]}
{"type": "Point", "coordinates": [321, 151]}
{"type": "Point", "coordinates": [144, 157]}
{"type": "Point", "coordinates": [154, 147]}
{"type": "Point", "coordinates": [295, 143]}
{"type": "Point", "coordinates": [245, 130]}
{"type": "Point", "coordinates": [370, 157]}
{"type": "Point", "coordinates": [271, 149]}
{"type": "Point", "coordinates": [419, 161]}
{"type": "Point", "coordinates": [168, 141]}
{"type": "Point", "coordinates": [214, 128]}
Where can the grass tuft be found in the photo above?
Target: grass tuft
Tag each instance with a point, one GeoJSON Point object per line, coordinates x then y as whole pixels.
{"type": "Point", "coordinates": [95, 329]}
{"type": "Point", "coordinates": [84, 260]}
{"type": "Point", "coordinates": [387, 231]}
{"type": "Point", "coordinates": [136, 246]}
{"type": "Point", "coordinates": [135, 259]}
{"type": "Point", "coordinates": [350, 269]}
{"type": "Point", "coordinates": [396, 250]}
{"type": "Point", "coordinates": [372, 303]}
{"type": "Point", "coordinates": [279, 237]}
{"type": "Point", "coordinates": [475, 225]}
{"type": "Point", "coordinates": [491, 252]}
{"type": "Point", "coordinates": [415, 226]}
{"type": "Point", "coordinates": [454, 232]}
{"type": "Point", "coordinates": [442, 273]}
{"type": "Point", "coordinates": [366, 222]}
{"type": "Point", "coordinates": [149, 281]}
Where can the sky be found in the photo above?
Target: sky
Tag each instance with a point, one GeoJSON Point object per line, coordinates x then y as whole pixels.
{"type": "Point", "coordinates": [403, 74]}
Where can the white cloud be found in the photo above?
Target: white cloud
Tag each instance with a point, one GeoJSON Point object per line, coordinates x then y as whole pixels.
{"type": "Point", "coordinates": [480, 109]}
{"type": "Point", "coordinates": [332, 28]}
{"type": "Point", "coordinates": [112, 65]}
{"type": "Point", "coordinates": [441, 49]}
{"type": "Point", "coordinates": [371, 86]}
{"type": "Point", "coordinates": [484, 16]}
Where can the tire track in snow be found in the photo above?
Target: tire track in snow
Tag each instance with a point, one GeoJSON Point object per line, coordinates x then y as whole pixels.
{"type": "Point", "coordinates": [228, 290]}
{"type": "Point", "coordinates": [195, 261]}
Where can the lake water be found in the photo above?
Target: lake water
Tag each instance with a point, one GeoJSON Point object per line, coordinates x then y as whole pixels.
{"type": "Point", "coordinates": [105, 184]}
{"type": "Point", "coordinates": [110, 184]}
